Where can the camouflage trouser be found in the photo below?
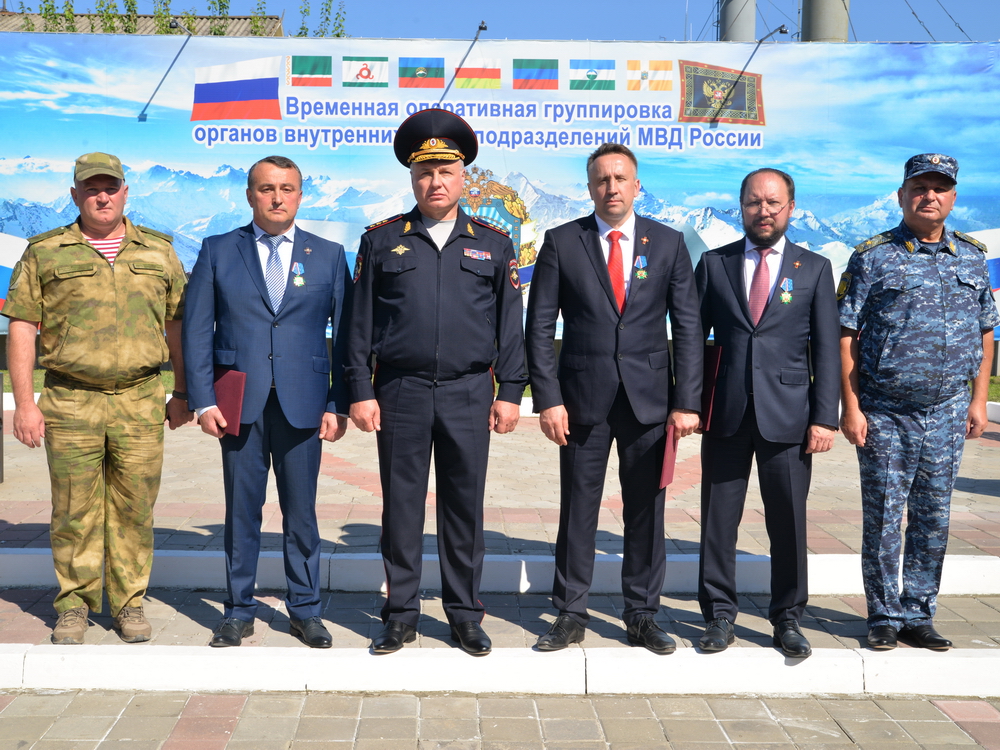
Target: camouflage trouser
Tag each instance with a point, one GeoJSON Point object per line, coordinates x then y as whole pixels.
{"type": "Point", "coordinates": [105, 453]}
{"type": "Point", "coordinates": [911, 457]}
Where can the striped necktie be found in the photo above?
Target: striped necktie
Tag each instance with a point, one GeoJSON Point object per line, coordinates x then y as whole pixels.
{"type": "Point", "coordinates": [273, 276]}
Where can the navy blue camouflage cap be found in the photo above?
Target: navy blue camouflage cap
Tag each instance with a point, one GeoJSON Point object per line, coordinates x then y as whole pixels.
{"type": "Point", "coordinates": [435, 134]}
{"type": "Point", "coordinates": [921, 163]}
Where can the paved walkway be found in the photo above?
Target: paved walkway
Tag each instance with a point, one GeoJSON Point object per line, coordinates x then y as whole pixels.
{"type": "Point", "coordinates": [522, 501]}
{"type": "Point", "coordinates": [317, 721]}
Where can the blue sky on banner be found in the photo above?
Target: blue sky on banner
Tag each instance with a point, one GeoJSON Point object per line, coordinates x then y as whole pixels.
{"type": "Point", "coordinates": [649, 20]}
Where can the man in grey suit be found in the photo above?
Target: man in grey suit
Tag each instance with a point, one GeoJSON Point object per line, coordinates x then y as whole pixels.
{"type": "Point", "coordinates": [773, 309]}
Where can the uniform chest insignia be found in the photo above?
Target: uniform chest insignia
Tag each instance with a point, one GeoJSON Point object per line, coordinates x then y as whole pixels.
{"type": "Point", "coordinates": [357, 269]}
{"type": "Point", "coordinates": [515, 279]}
{"type": "Point", "coordinates": [468, 228]}
{"type": "Point", "coordinates": [400, 249]}
{"type": "Point", "coordinates": [910, 247]}
{"type": "Point", "coordinates": [845, 284]}
{"type": "Point", "coordinates": [477, 254]}
{"type": "Point", "coordinates": [406, 227]}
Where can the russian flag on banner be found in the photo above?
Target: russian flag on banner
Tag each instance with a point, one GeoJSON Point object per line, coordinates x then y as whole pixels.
{"type": "Point", "coordinates": [246, 90]}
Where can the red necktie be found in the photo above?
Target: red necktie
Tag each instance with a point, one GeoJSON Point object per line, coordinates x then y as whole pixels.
{"type": "Point", "coordinates": [615, 269]}
{"type": "Point", "coordinates": [760, 285]}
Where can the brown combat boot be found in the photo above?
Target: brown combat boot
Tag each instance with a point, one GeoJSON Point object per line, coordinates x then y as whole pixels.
{"type": "Point", "coordinates": [132, 625]}
{"type": "Point", "coordinates": [71, 626]}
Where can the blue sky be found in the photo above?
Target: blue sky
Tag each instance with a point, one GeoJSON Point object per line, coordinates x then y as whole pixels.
{"type": "Point", "coordinates": [652, 20]}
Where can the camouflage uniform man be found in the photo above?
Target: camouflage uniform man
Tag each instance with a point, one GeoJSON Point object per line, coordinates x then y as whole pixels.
{"type": "Point", "coordinates": [104, 291]}
{"type": "Point", "coordinates": [917, 315]}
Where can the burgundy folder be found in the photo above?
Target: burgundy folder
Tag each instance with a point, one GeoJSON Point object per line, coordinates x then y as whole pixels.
{"type": "Point", "coordinates": [229, 386]}
{"type": "Point", "coordinates": [669, 457]}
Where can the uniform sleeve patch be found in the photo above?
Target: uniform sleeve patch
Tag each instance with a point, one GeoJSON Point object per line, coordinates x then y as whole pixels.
{"type": "Point", "coordinates": [515, 278]}
{"type": "Point", "coordinates": [845, 284]}
{"type": "Point", "coordinates": [14, 276]}
{"type": "Point", "coordinates": [357, 268]}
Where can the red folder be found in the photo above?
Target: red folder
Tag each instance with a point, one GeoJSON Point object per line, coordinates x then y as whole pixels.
{"type": "Point", "coordinates": [713, 356]}
{"type": "Point", "coordinates": [229, 387]}
{"type": "Point", "coordinates": [669, 457]}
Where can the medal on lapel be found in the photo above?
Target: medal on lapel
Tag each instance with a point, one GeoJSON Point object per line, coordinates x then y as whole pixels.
{"type": "Point", "coordinates": [640, 266]}
{"type": "Point", "coordinates": [786, 291]}
{"type": "Point", "coordinates": [298, 270]}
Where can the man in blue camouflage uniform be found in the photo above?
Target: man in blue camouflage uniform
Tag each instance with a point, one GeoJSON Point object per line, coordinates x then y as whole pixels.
{"type": "Point", "coordinates": [917, 317]}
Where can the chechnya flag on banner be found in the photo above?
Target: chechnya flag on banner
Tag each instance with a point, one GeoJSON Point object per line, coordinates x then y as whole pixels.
{"type": "Point", "coordinates": [312, 71]}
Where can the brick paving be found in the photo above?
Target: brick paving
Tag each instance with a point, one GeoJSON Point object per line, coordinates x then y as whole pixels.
{"type": "Point", "coordinates": [522, 502]}
{"type": "Point", "coordinates": [320, 721]}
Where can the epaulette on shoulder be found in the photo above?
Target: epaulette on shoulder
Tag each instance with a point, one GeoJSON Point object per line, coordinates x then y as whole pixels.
{"type": "Point", "coordinates": [972, 241]}
{"type": "Point", "coordinates": [161, 235]}
{"type": "Point", "coordinates": [46, 235]}
{"type": "Point", "coordinates": [382, 223]}
{"type": "Point", "coordinates": [488, 225]}
{"type": "Point", "coordinates": [878, 239]}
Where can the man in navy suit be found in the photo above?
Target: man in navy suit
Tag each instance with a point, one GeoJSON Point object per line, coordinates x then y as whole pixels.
{"type": "Point", "coordinates": [259, 301]}
{"type": "Point", "coordinates": [774, 312]}
{"type": "Point", "coordinates": [615, 277]}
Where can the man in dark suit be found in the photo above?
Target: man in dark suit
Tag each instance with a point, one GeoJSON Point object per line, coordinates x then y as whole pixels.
{"type": "Point", "coordinates": [774, 312]}
{"type": "Point", "coordinates": [615, 277]}
{"type": "Point", "coordinates": [259, 300]}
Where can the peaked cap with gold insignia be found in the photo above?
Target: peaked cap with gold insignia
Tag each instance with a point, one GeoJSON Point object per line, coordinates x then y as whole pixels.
{"type": "Point", "coordinates": [435, 134]}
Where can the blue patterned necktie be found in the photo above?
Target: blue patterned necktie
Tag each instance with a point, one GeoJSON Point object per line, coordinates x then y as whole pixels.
{"type": "Point", "coordinates": [273, 276]}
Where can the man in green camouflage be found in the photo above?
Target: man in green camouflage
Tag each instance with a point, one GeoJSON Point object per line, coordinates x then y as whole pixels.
{"type": "Point", "coordinates": [104, 291]}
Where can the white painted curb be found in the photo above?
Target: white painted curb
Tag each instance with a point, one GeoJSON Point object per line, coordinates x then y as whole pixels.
{"type": "Point", "coordinates": [576, 671]}
{"type": "Point", "coordinates": [829, 575]}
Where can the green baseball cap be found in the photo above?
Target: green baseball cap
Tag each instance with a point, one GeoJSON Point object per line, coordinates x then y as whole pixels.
{"type": "Point", "coordinates": [91, 165]}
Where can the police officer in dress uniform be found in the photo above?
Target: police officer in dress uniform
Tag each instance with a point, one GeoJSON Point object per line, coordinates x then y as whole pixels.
{"type": "Point", "coordinates": [437, 301]}
{"type": "Point", "coordinates": [104, 292]}
{"type": "Point", "coordinates": [917, 315]}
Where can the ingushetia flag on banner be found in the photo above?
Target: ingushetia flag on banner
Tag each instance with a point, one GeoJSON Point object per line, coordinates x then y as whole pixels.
{"type": "Point", "coordinates": [650, 75]}
{"type": "Point", "coordinates": [713, 94]}
{"type": "Point", "coordinates": [246, 90]}
{"type": "Point", "coordinates": [310, 71]}
{"type": "Point", "coordinates": [366, 72]}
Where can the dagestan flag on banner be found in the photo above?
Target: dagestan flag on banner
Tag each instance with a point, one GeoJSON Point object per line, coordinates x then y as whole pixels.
{"type": "Point", "coordinates": [713, 94]}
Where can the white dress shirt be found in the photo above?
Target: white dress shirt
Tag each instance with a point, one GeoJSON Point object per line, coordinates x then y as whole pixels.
{"type": "Point", "coordinates": [626, 242]}
{"type": "Point", "coordinates": [751, 258]}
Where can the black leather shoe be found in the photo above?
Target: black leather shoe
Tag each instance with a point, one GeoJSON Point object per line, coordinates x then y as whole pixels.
{"type": "Point", "coordinates": [393, 636]}
{"type": "Point", "coordinates": [925, 636]}
{"type": "Point", "coordinates": [882, 637]}
{"type": "Point", "coordinates": [564, 631]}
{"type": "Point", "coordinates": [230, 632]}
{"type": "Point", "coordinates": [645, 632]}
{"type": "Point", "coordinates": [718, 636]}
{"type": "Point", "coordinates": [311, 632]}
{"type": "Point", "coordinates": [471, 639]}
{"type": "Point", "coordinates": [790, 640]}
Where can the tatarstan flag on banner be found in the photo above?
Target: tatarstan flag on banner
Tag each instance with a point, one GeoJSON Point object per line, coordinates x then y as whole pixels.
{"type": "Point", "coordinates": [366, 72]}
{"type": "Point", "coordinates": [484, 75]}
{"type": "Point", "coordinates": [421, 72]}
{"type": "Point", "coordinates": [536, 74]}
{"type": "Point", "coordinates": [311, 71]}
{"type": "Point", "coordinates": [592, 75]}
{"type": "Point", "coordinates": [650, 75]}
{"type": "Point", "coordinates": [246, 90]}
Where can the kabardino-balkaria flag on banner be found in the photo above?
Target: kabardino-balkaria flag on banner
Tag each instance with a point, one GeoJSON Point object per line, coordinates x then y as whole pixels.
{"type": "Point", "coordinates": [246, 90]}
{"type": "Point", "coordinates": [713, 94]}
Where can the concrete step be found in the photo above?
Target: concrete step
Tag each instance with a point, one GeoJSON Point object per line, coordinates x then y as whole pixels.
{"type": "Point", "coordinates": [575, 671]}
{"type": "Point", "coordinates": [835, 575]}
